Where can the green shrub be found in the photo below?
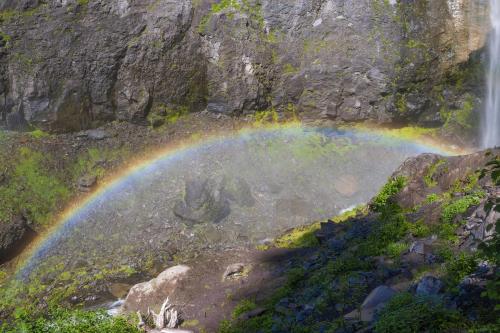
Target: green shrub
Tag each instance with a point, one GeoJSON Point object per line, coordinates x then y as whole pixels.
{"type": "Point", "coordinates": [69, 321]}
{"type": "Point", "coordinates": [242, 307]}
{"type": "Point", "coordinates": [395, 250]}
{"type": "Point", "coordinates": [459, 206]}
{"type": "Point", "coordinates": [459, 267]}
{"type": "Point", "coordinates": [39, 134]}
{"type": "Point", "coordinates": [429, 177]}
{"type": "Point", "coordinates": [383, 200]}
{"type": "Point", "coordinates": [406, 313]}
{"type": "Point", "coordinates": [419, 229]}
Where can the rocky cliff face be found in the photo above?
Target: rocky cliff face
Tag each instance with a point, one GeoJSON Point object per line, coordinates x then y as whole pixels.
{"type": "Point", "coordinates": [67, 65]}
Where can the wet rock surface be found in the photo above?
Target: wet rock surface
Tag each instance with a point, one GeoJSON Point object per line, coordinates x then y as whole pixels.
{"type": "Point", "coordinates": [68, 66]}
{"type": "Point", "coordinates": [14, 237]}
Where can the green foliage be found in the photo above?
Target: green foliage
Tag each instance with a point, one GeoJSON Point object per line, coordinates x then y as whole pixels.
{"type": "Point", "coordinates": [289, 69]}
{"type": "Point", "coordinates": [419, 229]}
{"type": "Point", "coordinates": [464, 118]}
{"type": "Point", "coordinates": [9, 15]}
{"type": "Point", "coordinates": [253, 10]}
{"type": "Point", "coordinates": [83, 2]}
{"type": "Point", "coordinates": [92, 163]}
{"type": "Point", "coordinates": [31, 188]}
{"type": "Point", "coordinates": [382, 201]}
{"type": "Point", "coordinates": [458, 267]}
{"type": "Point", "coordinates": [396, 249]}
{"type": "Point", "coordinates": [5, 38]}
{"type": "Point", "coordinates": [242, 307]}
{"type": "Point", "coordinates": [349, 214]}
{"type": "Point", "coordinates": [66, 321]}
{"type": "Point", "coordinates": [490, 249]}
{"type": "Point", "coordinates": [162, 114]}
{"type": "Point", "coordinates": [298, 238]}
{"type": "Point", "coordinates": [429, 177]}
{"type": "Point", "coordinates": [433, 197]}
{"type": "Point", "coordinates": [460, 206]}
{"type": "Point", "coordinates": [406, 313]}
{"type": "Point", "coordinates": [39, 134]}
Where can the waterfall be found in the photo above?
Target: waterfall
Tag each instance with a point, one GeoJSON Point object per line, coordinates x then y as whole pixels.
{"type": "Point", "coordinates": [491, 121]}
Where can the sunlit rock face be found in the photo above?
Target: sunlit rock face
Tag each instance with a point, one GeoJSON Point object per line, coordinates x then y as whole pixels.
{"type": "Point", "coordinates": [66, 66]}
{"type": "Point", "coordinates": [232, 192]}
{"type": "Point", "coordinates": [466, 28]}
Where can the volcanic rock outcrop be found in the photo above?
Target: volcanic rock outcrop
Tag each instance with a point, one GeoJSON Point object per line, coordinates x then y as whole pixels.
{"type": "Point", "coordinates": [72, 65]}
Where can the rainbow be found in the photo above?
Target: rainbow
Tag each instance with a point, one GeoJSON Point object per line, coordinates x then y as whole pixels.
{"type": "Point", "coordinates": [73, 212]}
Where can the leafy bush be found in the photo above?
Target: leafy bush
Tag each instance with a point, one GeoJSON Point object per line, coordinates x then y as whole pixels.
{"type": "Point", "coordinates": [459, 267]}
{"type": "Point", "coordinates": [39, 134]}
{"type": "Point", "coordinates": [242, 307]}
{"type": "Point", "coordinates": [66, 321]}
{"type": "Point", "coordinates": [460, 206]}
{"type": "Point", "coordinates": [383, 200]}
{"type": "Point", "coordinates": [395, 250]}
{"type": "Point", "coordinates": [406, 313]}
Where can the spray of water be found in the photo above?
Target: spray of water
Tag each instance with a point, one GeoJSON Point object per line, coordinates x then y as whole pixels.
{"type": "Point", "coordinates": [491, 122]}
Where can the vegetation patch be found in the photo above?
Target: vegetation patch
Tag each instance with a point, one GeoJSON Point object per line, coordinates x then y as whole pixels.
{"type": "Point", "coordinates": [299, 237]}
{"type": "Point", "coordinates": [31, 188]}
{"type": "Point", "coordinates": [69, 321]}
{"type": "Point", "coordinates": [383, 200]}
{"type": "Point", "coordinates": [431, 172]}
{"type": "Point", "coordinates": [408, 313]}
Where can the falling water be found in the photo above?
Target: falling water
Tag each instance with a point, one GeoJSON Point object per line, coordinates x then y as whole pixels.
{"type": "Point", "coordinates": [491, 123]}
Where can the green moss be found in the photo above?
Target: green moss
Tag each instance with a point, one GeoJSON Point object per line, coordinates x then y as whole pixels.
{"type": "Point", "coordinates": [289, 69]}
{"type": "Point", "coordinates": [299, 237]}
{"type": "Point", "coordinates": [162, 114]}
{"type": "Point", "coordinates": [5, 38]}
{"type": "Point", "coordinates": [249, 7]}
{"type": "Point", "coordinates": [401, 103]}
{"type": "Point", "coordinates": [9, 15]}
{"type": "Point", "coordinates": [39, 134]}
{"type": "Point", "coordinates": [31, 188]}
{"type": "Point", "coordinates": [269, 116]}
{"type": "Point", "coordinates": [92, 163]}
{"type": "Point", "coordinates": [461, 119]}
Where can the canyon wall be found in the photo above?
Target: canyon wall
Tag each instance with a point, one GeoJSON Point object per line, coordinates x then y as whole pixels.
{"type": "Point", "coordinates": [68, 65]}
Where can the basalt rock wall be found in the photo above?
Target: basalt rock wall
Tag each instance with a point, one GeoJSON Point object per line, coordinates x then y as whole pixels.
{"type": "Point", "coordinates": [68, 65]}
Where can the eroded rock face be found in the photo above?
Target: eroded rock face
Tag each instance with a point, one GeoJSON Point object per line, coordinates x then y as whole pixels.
{"type": "Point", "coordinates": [66, 66]}
{"type": "Point", "coordinates": [70, 66]}
{"type": "Point", "coordinates": [14, 236]}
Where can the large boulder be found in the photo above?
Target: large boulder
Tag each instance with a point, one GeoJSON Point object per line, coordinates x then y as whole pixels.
{"type": "Point", "coordinates": [153, 293]}
{"type": "Point", "coordinates": [429, 285]}
{"type": "Point", "coordinates": [373, 303]}
{"type": "Point", "coordinates": [202, 203]}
